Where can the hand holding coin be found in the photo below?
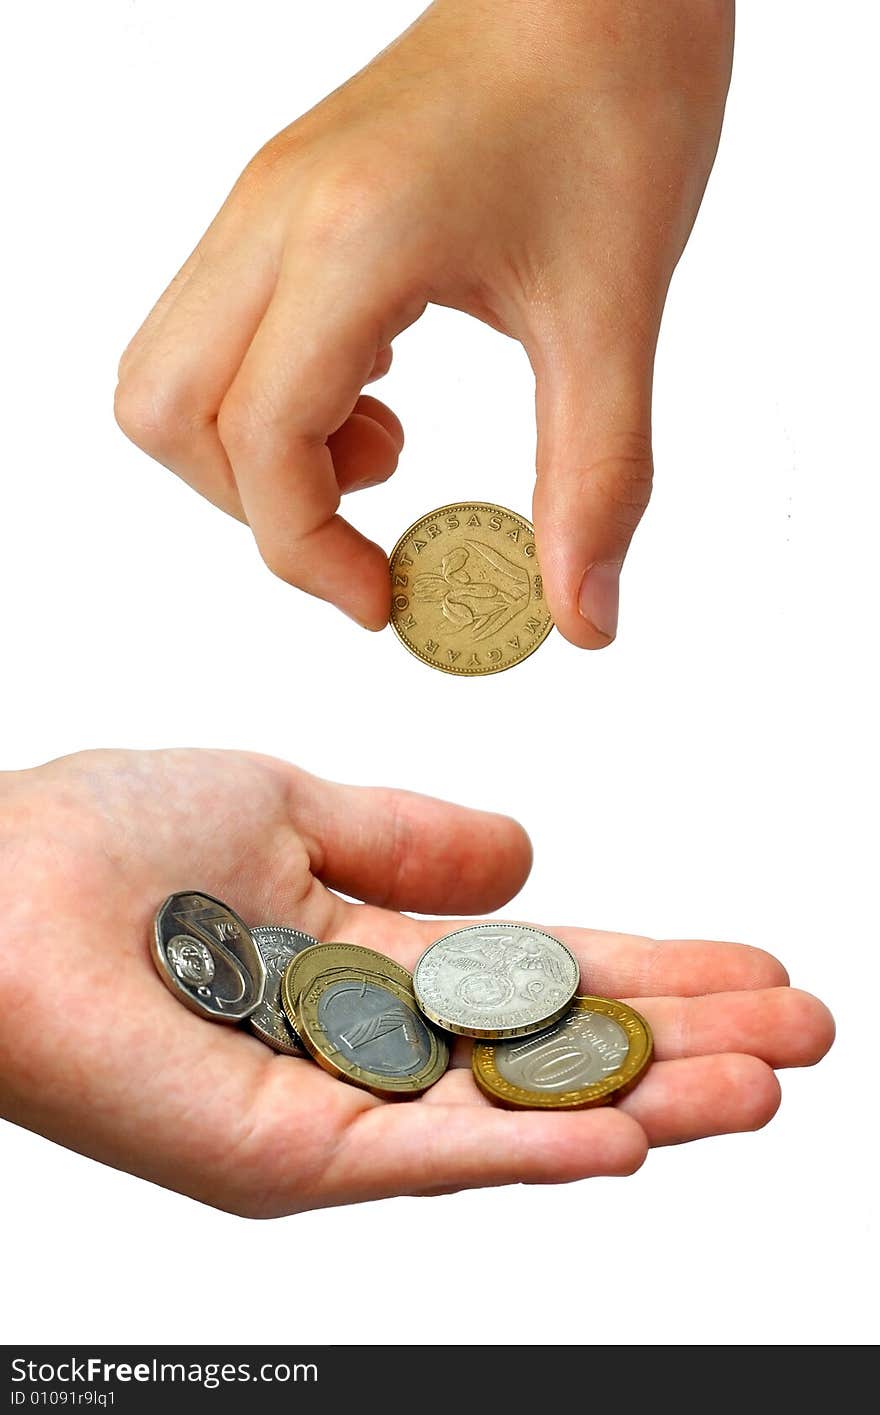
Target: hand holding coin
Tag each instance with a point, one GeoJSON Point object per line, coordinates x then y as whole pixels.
{"type": "Point", "coordinates": [471, 167]}
{"type": "Point", "coordinates": [98, 1055]}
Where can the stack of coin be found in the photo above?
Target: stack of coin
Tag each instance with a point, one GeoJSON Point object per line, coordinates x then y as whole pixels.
{"type": "Point", "coordinates": [537, 1044]}
{"type": "Point", "coordinates": [366, 1020]}
{"type": "Point", "coordinates": [352, 1010]}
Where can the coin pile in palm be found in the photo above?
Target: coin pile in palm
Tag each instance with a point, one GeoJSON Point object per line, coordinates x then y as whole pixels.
{"type": "Point", "coordinates": [366, 1020]}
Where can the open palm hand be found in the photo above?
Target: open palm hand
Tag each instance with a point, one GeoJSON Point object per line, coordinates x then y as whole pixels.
{"type": "Point", "coordinates": [97, 1055]}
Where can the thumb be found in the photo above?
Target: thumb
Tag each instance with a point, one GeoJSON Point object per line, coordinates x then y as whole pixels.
{"type": "Point", "coordinates": [594, 468]}
{"type": "Point", "coordinates": [405, 851]}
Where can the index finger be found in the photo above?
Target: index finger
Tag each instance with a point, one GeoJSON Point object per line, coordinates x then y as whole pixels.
{"type": "Point", "coordinates": [312, 354]}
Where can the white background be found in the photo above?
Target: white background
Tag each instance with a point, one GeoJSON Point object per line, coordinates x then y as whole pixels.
{"type": "Point", "coordinates": [714, 774]}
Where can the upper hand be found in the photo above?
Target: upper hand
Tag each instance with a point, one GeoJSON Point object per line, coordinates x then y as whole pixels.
{"type": "Point", "coordinates": [538, 166]}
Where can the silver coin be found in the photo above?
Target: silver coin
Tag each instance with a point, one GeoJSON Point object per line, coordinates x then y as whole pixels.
{"type": "Point", "coordinates": [206, 956]}
{"type": "Point", "coordinates": [495, 980]}
{"type": "Point", "coordinates": [578, 1050]}
{"type": "Point", "coordinates": [277, 944]}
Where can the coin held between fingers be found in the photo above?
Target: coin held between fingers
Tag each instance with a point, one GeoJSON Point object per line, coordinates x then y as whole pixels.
{"type": "Point", "coordinates": [467, 591]}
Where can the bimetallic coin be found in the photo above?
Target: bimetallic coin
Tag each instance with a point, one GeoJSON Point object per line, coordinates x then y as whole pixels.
{"type": "Point", "coordinates": [593, 1054]}
{"type": "Point", "coordinates": [306, 966]}
{"type": "Point", "coordinates": [206, 956]}
{"type": "Point", "coordinates": [467, 592]}
{"type": "Point", "coordinates": [495, 980]}
{"type": "Point", "coordinates": [366, 1029]}
{"type": "Point", "coordinates": [277, 945]}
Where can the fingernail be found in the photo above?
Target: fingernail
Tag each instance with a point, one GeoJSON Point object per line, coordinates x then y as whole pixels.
{"type": "Point", "coordinates": [599, 598]}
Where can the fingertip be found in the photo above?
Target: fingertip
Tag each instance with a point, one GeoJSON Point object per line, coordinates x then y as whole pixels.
{"type": "Point", "coordinates": [599, 600]}
{"type": "Point", "coordinates": [365, 453]}
{"type": "Point", "coordinates": [494, 872]}
{"type": "Point", "coordinates": [519, 851]}
{"type": "Point", "coordinates": [827, 1031]}
{"type": "Point", "coordinates": [380, 413]}
{"type": "Point", "coordinates": [746, 968]}
{"type": "Point", "coordinates": [363, 595]}
{"type": "Point", "coordinates": [575, 620]}
{"type": "Point", "coordinates": [813, 1028]}
{"type": "Point", "coordinates": [592, 621]}
{"type": "Point", "coordinates": [582, 634]}
{"type": "Point", "coordinates": [628, 1144]}
{"type": "Point", "coordinates": [754, 1090]}
{"type": "Point", "coordinates": [373, 620]}
{"type": "Point", "coordinates": [356, 580]}
{"type": "Point", "coordinates": [571, 1145]}
{"type": "Point", "coordinates": [763, 969]}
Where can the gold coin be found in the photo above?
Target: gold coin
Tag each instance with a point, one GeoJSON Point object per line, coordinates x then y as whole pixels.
{"type": "Point", "coordinates": [365, 1027]}
{"type": "Point", "coordinates": [595, 1053]}
{"type": "Point", "coordinates": [324, 958]}
{"type": "Point", "coordinates": [467, 593]}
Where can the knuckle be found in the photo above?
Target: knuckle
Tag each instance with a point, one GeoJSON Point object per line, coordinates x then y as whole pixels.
{"type": "Point", "coordinates": [126, 358]}
{"type": "Point", "coordinates": [400, 849]}
{"type": "Point", "coordinates": [235, 424]}
{"type": "Point", "coordinates": [151, 414]}
{"type": "Point", "coordinates": [245, 422]}
{"type": "Point", "coordinates": [343, 204]}
{"type": "Point", "coordinates": [268, 162]}
{"type": "Point", "coordinates": [134, 412]}
{"type": "Point", "coordinates": [626, 477]}
{"type": "Point", "coordinates": [278, 559]}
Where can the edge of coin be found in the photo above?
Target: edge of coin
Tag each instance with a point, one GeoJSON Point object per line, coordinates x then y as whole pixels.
{"type": "Point", "coordinates": [292, 985]}
{"type": "Point", "coordinates": [506, 1095]}
{"type": "Point", "coordinates": [410, 648]}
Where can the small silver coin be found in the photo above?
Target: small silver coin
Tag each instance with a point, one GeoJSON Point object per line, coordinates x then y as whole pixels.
{"type": "Point", "coordinates": [207, 957]}
{"type": "Point", "coordinates": [495, 980]}
{"type": "Point", "coordinates": [277, 944]}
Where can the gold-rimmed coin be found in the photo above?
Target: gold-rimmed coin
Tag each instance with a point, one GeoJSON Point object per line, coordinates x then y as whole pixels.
{"type": "Point", "coordinates": [324, 958]}
{"type": "Point", "coordinates": [593, 1054]}
{"type": "Point", "coordinates": [365, 1027]}
{"type": "Point", "coordinates": [467, 592]}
